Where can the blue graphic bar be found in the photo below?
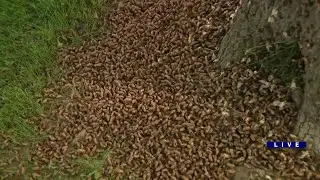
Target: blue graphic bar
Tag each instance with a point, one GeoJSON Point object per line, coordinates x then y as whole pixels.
{"type": "Point", "coordinates": [286, 144]}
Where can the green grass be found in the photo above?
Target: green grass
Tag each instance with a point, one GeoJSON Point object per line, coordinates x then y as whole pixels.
{"type": "Point", "coordinates": [92, 167]}
{"type": "Point", "coordinates": [30, 34]}
{"type": "Point", "coordinates": [281, 59]}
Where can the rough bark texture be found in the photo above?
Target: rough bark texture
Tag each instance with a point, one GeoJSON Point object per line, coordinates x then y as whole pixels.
{"type": "Point", "coordinates": [259, 22]}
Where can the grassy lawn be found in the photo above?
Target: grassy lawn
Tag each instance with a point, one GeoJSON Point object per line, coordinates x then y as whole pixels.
{"type": "Point", "coordinates": [30, 34]}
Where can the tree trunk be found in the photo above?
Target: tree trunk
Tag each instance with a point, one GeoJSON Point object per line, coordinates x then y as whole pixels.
{"type": "Point", "coordinates": [260, 22]}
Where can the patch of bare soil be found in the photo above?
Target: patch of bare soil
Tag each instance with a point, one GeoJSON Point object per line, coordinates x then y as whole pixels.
{"type": "Point", "coordinates": [150, 92]}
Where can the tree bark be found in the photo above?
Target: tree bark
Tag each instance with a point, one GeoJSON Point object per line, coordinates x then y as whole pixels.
{"type": "Point", "coordinates": [258, 22]}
